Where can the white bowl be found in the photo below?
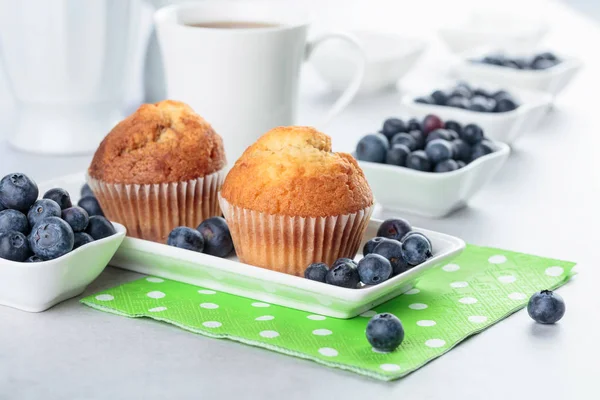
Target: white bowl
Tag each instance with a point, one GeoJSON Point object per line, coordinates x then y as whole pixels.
{"type": "Point", "coordinates": [389, 58]}
{"type": "Point", "coordinates": [504, 127]}
{"type": "Point", "coordinates": [551, 80]}
{"type": "Point", "coordinates": [430, 194]}
{"type": "Point", "coordinates": [36, 287]}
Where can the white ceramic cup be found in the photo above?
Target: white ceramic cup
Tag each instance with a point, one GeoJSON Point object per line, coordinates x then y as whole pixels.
{"type": "Point", "coordinates": [244, 82]}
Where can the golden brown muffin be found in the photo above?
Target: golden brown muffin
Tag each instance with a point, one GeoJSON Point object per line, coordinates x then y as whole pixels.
{"type": "Point", "coordinates": [292, 171]}
{"type": "Point", "coordinates": [159, 143]}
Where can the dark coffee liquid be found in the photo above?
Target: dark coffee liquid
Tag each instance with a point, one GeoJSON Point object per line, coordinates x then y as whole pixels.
{"type": "Point", "coordinates": [233, 25]}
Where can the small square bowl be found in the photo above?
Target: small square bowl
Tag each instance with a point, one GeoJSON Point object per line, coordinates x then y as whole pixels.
{"type": "Point", "coordinates": [429, 194]}
{"type": "Point", "coordinates": [552, 80]}
{"type": "Point", "coordinates": [504, 127]}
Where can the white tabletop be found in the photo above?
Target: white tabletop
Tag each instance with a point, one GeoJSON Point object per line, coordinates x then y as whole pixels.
{"type": "Point", "coordinates": [544, 201]}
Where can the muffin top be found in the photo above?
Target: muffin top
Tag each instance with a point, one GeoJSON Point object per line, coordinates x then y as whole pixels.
{"type": "Point", "coordinates": [292, 171]}
{"type": "Point", "coordinates": [159, 143]}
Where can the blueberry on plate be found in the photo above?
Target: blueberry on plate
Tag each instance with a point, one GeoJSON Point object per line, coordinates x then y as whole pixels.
{"type": "Point", "coordinates": [418, 160]}
{"type": "Point", "coordinates": [505, 104]}
{"type": "Point", "coordinates": [371, 244]}
{"type": "Point", "coordinates": [546, 307]}
{"type": "Point", "coordinates": [416, 233]}
{"type": "Point", "coordinates": [405, 139]}
{"type": "Point", "coordinates": [99, 227]}
{"type": "Point", "coordinates": [431, 123]}
{"type": "Point", "coordinates": [14, 246]}
{"type": "Point", "coordinates": [394, 228]}
{"type": "Point", "coordinates": [439, 97]}
{"type": "Point", "coordinates": [343, 260]}
{"type": "Point", "coordinates": [425, 100]}
{"type": "Point", "coordinates": [86, 191]}
{"type": "Point", "coordinates": [18, 192]}
{"type": "Point", "coordinates": [439, 134]}
{"type": "Point", "coordinates": [392, 126]}
{"type": "Point", "coordinates": [77, 217]}
{"type": "Point", "coordinates": [481, 149]}
{"type": "Point", "coordinates": [446, 166]}
{"type": "Point", "coordinates": [34, 259]}
{"type": "Point", "coordinates": [186, 238]}
{"type": "Point", "coordinates": [60, 196]}
{"type": "Point", "coordinates": [316, 272]}
{"type": "Point", "coordinates": [80, 239]}
{"type": "Point", "coordinates": [459, 102]}
{"type": "Point", "coordinates": [42, 209]}
{"type": "Point", "coordinates": [217, 237]}
{"type": "Point", "coordinates": [13, 220]}
{"type": "Point", "coordinates": [472, 134]}
{"type": "Point", "coordinates": [385, 332]}
{"type": "Point", "coordinates": [453, 126]}
{"type": "Point", "coordinates": [461, 150]}
{"type": "Point", "coordinates": [416, 248]}
{"type": "Point", "coordinates": [374, 269]}
{"type": "Point", "coordinates": [397, 155]}
{"type": "Point", "coordinates": [91, 205]}
{"type": "Point", "coordinates": [51, 238]}
{"type": "Point", "coordinates": [439, 150]}
{"type": "Point", "coordinates": [344, 274]}
{"type": "Point", "coordinates": [372, 148]}
{"type": "Point", "coordinates": [419, 137]}
{"type": "Point", "coordinates": [391, 250]}
{"type": "Point", "coordinates": [413, 125]}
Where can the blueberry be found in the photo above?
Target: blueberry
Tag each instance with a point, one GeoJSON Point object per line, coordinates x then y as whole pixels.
{"type": "Point", "coordinates": [413, 125]}
{"type": "Point", "coordinates": [439, 134]}
{"type": "Point", "coordinates": [91, 205]}
{"type": "Point", "coordinates": [542, 63]}
{"type": "Point", "coordinates": [344, 274]}
{"type": "Point", "coordinates": [505, 104]}
{"type": "Point", "coordinates": [186, 238]}
{"type": "Point", "coordinates": [425, 100]}
{"type": "Point", "coordinates": [453, 134]}
{"type": "Point", "coordinates": [392, 126]}
{"type": "Point", "coordinates": [343, 260]}
{"type": "Point", "coordinates": [416, 248]}
{"type": "Point", "coordinates": [472, 134]}
{"type": "Point", "coordinates": [13, 220]}
{"type": "Point", "coordinates": [439, 150]}
{"type": "Point", "coordinates": [419, 137]}
{"type": "Point", "coordinates": [385, 332]}
{"type": "Point", "coordinates": [60, 196]}
{"type": "Point", "coordinates": [99, 227]}
{"type": "Point", "coordinates": [14, 246]}
{"type": "Point", "coordinates": [461, 164]}
{"type": "Point", "coordinates": [548, 56]}
{"type": "Point", "coordinates": [18, 192]}
{"type": "Point", "coordinates": [80, 239]}
{"type": "Point", "coordinates": [86, 191]}
{"type": "Point", "coordinates": [418, 160]}
{"type": "Point", "coordinates": [391, 250]}
{"type": "Point", "coordinates": [51, 238]}
{"type": "Point", "coordinates": [461, 91]}
{"type": "Point", "coordinates": [2, 208]}
{"type": "Point", "coordinates": [462, 151]}
{"type": "Point", "coordinates": [371, 244]}
{"type": "Point", "coordinates": [501, 94]}
{"type": "Point", "coordinates": [510, 63]}
{"type": "Point", "coordinates": [446, 166]}
{"type": "Point", "coordinates": [372, 148]}
{"type": "Point", "coordinates": [431, 123]}
{"type": "Point", "coordinates": [439, 97]}
{"type": "Point", "coordinates": [458, 102]}
{"type": "Point", "coordinates": [481, 92]}
{"type": "Point", "coordinates": [494, 59]}
{"type": "Point", "coordinates": [405, 139]}
{"type": "Point", "coordinates": [546, 307]}
{"type": "Point", "coordinates": [217, 238]}
{"type": "Point", "coordinates": [481, 149]}
{"type": "Point", "coordinates": [42, 209]}
{"type": "Point", "coordinates": [397, 155]}
{"type": "Point", "coordinates": [77, 217]}
{"type": "Point", "coordinates": [479, 104]}
{"type": "Point", "coordinates": [416, 233]}
{"type": "Point", "coordinates": [316, 272]}
{"type": "Point", "coordinates": [394, 228]}
{"type": "Point", "coordinates": [34, 259]}
{"type": "Point", "coordinates": [374, 269]}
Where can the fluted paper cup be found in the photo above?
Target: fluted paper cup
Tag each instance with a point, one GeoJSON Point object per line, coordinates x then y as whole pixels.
{"type": "Point", "coordinates": [289, 244]}
{"type": "Point", "coordinates": [152, 211]}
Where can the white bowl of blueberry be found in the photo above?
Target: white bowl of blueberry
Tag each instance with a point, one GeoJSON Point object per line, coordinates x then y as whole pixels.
{"type": "Point", "coordinates": [436, 166]}
{"type": "Point", "coordinates": [50, 250]}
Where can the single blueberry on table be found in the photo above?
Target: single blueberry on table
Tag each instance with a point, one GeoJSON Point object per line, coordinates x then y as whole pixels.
{"type": "Point", "coordinates": [217, 237]}
{"type": "Point", "coordinates": [186, 238]}
{"type": "Point", "coordinates": [439, 150]}
{"type": "Point", "coordinates": [14, 246]}
{"type": "Point", "coordinates": [77, 217]}
{"type": "Point", "coordinates": [505, 104]}
{"type": "Point", "coordinates": [462, 151]}
{"type": "Point", "coordinates": [80, 239]}
{"type": "Point", "coordinates": [42, 209]}
{"type": "Point", "coordinates": [343, 260]}
{"type": "Point", "coordinates": [344, 274]}
{"type": "Point", "coordinates": [34, 259]}
{"type": "Point", "coordinates": [13, 220]}
{"type": "Point", "coordinates": [394, 228]}
{"type": "Point", "coordinates": [439, 134]}
{"type": "Point", "coordinates": [91, 205]}
{"type": "Point", "coordinates": [413, 125]}
{"type": "Point", "coordinates": [392, 126]}
{"type": "Point", "coordinates": [371, 244]}
{"type": "Point", "coordinates": [372, 148]}
{"type": "Point", "coordinates": [416, 248]}
{"type": "Point", "coordinates": [99, 227]}
{"type": "Point", "coordinates": [385, 332]}
{"type": "Point", "coordinates": [418, 160]}
{"type": "Point", "coordinates": [51, 238]}
{"type": "Point", "coordinates": [481, 149]}
{"type": "Point", "coordinates": [439, 97]}
{"type": "Point", "coordinates": [316, 272]}
{"type": "Point", "coordinates": [86, 191]}
{"type": "Point", "coordinates": [60, 196]}
{"type": "Point", "coordinates": [454, 126]}
{"type": "Point", "coordinates": [397, 155]}
{"type": "Point", "coordinates": [458, 102]}
{"type": "Point", "coordinates": [374, 269]}
{"type": "Point", "coordinates": [431, 123]}
{"type": "Point", "coordinates": [405, 139]}
{"type": "Point", "coordinates": [419, 137]}
{"type": "Point", "coordinates": [425, 100]}
{"type": "Point", "coordinates": [391, 250]}
{"type": "Point", "coordinates": [18, 192]}
{"type": "Point", "coordinates": [546, 307]}
{"type": "Point", "coordinates": [446, 166]}
{"type": "Point", "coordinates": [472, 134]}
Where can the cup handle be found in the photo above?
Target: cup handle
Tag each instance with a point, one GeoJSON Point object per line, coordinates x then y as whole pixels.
{"type": "Point", "coordinates": [350, 91]}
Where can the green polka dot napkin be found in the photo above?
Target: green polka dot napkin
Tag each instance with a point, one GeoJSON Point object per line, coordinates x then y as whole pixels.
{"type": "Point", "coordinates": [481, 287]}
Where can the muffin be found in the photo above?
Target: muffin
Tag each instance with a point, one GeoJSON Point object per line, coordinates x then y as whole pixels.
{"type": "Point", "coordinates": [159, 168]}
{"type": "Point", "coordinates": [289, 201]}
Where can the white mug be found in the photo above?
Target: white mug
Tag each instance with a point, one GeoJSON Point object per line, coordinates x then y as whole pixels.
{"type": "Point", "coordinates": [244, 82]}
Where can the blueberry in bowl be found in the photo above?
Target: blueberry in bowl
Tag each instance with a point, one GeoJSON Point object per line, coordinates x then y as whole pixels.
{"type": "Point", "coordinates": [374, 269]}
{"type": "Point", "coordinates": [343, 274]}
{"type": "Point", "coordinates": [470, 98]}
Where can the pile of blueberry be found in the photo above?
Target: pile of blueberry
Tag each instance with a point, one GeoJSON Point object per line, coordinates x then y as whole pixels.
{"type": "Point", "coordinates": [211, 237]}
{"type": "Point", "coordinates": [537, 62]}
{"type": "Point", "coordinates": [429, 145]}
{"type": "Point", "coordinates": [471, 98]}
{"type": "Point", "coordinates": [33, 230]}
{"type": "Point", "coordinates": [396, 249]}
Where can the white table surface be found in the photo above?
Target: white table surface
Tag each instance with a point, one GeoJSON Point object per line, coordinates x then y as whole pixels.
{"type": "Point", "coordinates": [545, 201]}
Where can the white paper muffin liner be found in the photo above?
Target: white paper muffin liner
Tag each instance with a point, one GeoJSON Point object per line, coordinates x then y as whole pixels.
{"type": "Point", "coordinates": [289, 244]}
{"type": "Point", "coordinates": [152, 211]}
